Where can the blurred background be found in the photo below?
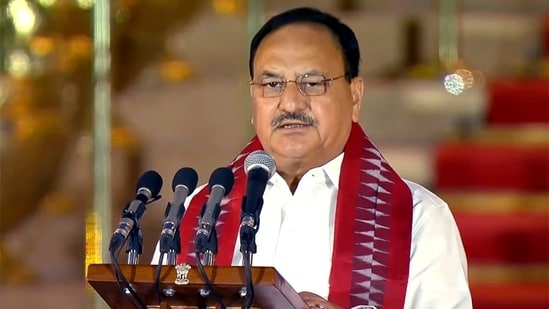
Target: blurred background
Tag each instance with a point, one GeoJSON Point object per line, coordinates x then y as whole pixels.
{"type": "Point", "coordinates": [93, 93]}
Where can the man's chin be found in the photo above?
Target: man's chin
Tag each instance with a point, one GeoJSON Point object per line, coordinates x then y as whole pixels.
{"type": "Point", "coordinates": [294, 153]}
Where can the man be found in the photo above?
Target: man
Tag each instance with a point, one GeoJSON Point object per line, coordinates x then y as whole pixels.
{"type": "Point", "coordinates": [337, 222]}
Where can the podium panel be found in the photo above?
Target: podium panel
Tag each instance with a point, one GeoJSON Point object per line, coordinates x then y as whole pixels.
{"type": "Point", "coordinates": [185, 288]}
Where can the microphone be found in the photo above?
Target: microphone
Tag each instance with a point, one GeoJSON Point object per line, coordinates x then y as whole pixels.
{"type": "Point", "coordinates": [259, 167]}
{"type": "Point", "coordinates": [220, 183]}
{"type": "Point", "coordinates": [183, 183]}
{"type": "Point", "coordinates": [147, 190]}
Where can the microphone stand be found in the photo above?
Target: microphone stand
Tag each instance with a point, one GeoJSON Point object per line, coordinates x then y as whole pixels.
{"type": "Point", "coordinates": [171, 246]}
{"type": "Point", "coordinates": [174, 249]}
{"type": "Point", "coordinates": [248, 229]}
{"type": "Point", "coordinates": [247, 248]}
{"type": "Point", "coordinates": [205, 251]}
{"type": "Point", "coordinates": [249, 224]}
{"type": "Point", "coordinates": [247, 242]}
{"type": "Point", "coordinates": [206, 246]}
{"type": "Point", "coordinates": [135, 245]}
{"type": "Point", "coordinates": [208, 249]}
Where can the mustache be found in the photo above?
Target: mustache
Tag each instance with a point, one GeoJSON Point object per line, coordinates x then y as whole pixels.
{"type": "Point", "coordinates": [301, 117]}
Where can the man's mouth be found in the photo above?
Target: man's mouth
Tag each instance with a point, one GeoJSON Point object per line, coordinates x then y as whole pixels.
{"type": "Point", "coordinates": [292, 125]}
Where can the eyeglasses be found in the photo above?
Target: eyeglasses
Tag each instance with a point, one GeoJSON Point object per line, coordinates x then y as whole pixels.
{"type": "Point", "coordinates": [307, 84]}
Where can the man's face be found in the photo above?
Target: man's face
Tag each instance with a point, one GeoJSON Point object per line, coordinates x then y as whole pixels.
{"type": "Point", "coordinates": [293, 126]}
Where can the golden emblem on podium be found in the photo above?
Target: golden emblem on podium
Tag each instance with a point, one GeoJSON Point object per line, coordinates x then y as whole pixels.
{"type": "Point", "coordinates": [182, 273]}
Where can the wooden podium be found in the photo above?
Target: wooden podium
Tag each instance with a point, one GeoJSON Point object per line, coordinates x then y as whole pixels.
{"type": "Point", "coordinates": [271, 290]}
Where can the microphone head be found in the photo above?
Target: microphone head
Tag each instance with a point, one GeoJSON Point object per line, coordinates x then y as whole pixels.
{"type": "Point", "coordinates": [151, 181]}
{"type": "Point", "coordinates": [260, 159]}
{"type": "Point", "coordinates": [187, 177]}
{"type": "Point", "coordinates": [224, 177]}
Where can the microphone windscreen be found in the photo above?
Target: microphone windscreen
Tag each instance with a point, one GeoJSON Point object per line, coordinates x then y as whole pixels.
{"type": "Point", "coordinates": [224, 177]}
{"type": "Point", "coordinates": [186, 176]}
{"type": "Point", "coordinates": [260, 158]}
{"type": "Point", "coordinates": [150, 180]}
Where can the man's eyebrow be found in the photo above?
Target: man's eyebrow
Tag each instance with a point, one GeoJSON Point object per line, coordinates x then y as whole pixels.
{"type": "Point", "coordinates": [269, 74]}
{"type": "Point", "coordinates": [312, 72]}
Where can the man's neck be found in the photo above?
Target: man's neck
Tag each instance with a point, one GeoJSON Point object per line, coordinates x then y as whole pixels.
{"type": "Point", "coordinates": [291, 179]}
{"type": "Point", "coordinates": [292, 173]}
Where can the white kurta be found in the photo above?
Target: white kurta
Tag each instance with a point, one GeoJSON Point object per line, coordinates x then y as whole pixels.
{"type": "Point", "coordinates": [296, 237]}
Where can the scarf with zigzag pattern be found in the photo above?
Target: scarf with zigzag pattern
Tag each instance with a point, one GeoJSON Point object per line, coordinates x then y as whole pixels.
{"type": "Point", "coordinates": [372, 234]}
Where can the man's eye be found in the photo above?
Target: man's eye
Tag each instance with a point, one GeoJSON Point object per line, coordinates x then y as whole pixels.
{"type": "Point", "coordinates": [313, 84]}
{"type": "Point", "coordinates": [273, 84]}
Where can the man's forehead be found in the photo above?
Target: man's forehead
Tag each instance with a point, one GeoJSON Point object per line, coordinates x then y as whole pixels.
{"type": "Point", "coordinates": [297, 49]}
{"type": "Point", "coordinates": [307, 33]}
{"type": "Point", "coordinates": [282, 74]}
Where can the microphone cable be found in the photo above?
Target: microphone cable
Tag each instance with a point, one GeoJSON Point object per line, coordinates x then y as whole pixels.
{"type": "Point", "coordinates": [157, 277]}
{"type": "Point", "coordinates": [207, 281]}
{"type": "Point", "coordinates": [123, 283]}
{"type": "Point", "coordinates": [250, 294]}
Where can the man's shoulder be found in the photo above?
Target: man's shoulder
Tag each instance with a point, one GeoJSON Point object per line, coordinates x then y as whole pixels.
{"type": "Point", "coordinates": [428, 207]}
{"type": "Point", "coordinates": [424, 197]}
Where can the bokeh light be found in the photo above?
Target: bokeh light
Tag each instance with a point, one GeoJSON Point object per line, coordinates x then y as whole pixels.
{"type": "Point", "coordinates": [25, 19]}
{"type": "Point", "coordinates": [228, 6]}
{"type": "Point", "coordinates": [18, 63]}
{"type": "Point", "coordinates": [80, 46]}
{"type": "Point", "coordinates": [85, 4]}
{"type": "Point", "coordinates": [454, 84]}
{"type": "Point", "coordinates": [41, 46]}
{"type": "Point", "coordinates": [175, 70]}
{"type": "Point", "coordinates": [467, 76]}
{"type": "Point", "coordinates": [47, 3]}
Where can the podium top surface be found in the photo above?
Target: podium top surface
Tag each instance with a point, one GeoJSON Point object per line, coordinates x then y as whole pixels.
{"type": "Point", "coordinates": [184, 285]}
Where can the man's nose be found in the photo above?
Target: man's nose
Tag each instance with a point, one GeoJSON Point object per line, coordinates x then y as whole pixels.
{"type": "Point", "coordinates": [292, 98]}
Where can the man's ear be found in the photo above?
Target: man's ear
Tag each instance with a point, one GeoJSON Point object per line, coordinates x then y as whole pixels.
{"type": "Point", "coordinates": [357, 93]}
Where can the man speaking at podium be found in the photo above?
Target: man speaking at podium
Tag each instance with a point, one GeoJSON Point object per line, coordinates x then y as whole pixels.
{"type": "Point", "coordinates": [337, 222]}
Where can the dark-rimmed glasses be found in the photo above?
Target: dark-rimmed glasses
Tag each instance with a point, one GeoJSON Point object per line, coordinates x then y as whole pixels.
{"type": "Point", "coordinates": [307, 84]}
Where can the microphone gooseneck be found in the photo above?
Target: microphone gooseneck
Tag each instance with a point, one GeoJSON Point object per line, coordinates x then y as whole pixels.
{"type": "Point", "coordinates": [147, 190]}
{"type": "Point", "coordinates": [205, 242]}
{"type": "Point", "coordinates": [220, 184]}
{"type": "Point", "coordinates": [183, 184]}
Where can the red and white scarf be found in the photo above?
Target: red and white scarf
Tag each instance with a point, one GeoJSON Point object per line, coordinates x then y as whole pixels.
{"type": "Point", "coordinates": [372, 234]}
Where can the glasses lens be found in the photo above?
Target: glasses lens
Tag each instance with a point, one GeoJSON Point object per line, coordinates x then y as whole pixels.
{"type": "Point", "coordinates": [272, 86]}
{"type": "Point", "coordinates": [312, 84]}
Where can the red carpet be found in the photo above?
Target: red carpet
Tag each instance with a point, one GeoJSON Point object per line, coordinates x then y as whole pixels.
{"type": "Point", "coordinates": [518, 101]}
{"type": "Point", "coordinates": [510, 296]}
{"type": "Point", "coordinates": [481, 166]}
{"type": "Point", "coordinates": [498, 190]}
{"type": "Point", "coordinates": [517, 237]}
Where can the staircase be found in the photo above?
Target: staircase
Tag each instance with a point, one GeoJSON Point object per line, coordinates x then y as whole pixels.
{"type": "Point", "coordinates": [497, 185]}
